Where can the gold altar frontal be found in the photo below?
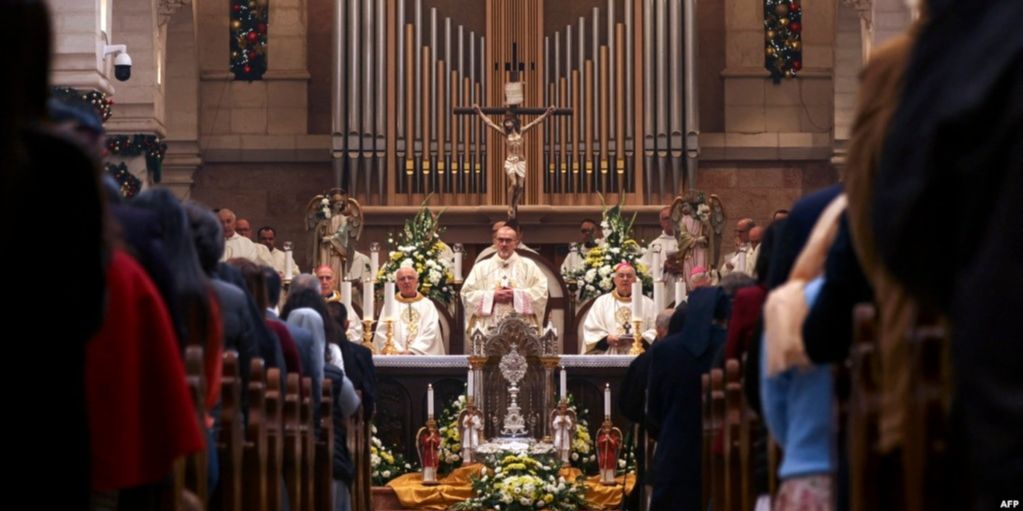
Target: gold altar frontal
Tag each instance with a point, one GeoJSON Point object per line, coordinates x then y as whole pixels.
{"type": "Point", "coordinates": [408, 492]}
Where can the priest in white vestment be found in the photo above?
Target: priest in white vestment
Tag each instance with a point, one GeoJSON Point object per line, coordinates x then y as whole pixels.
{"type": "Point", "coordinates": [503, 284]}
{"type": "Point", "coordinates": [666, 244]}
{"type": "Point", "coordinates": [416, 329]}
{"type": "Point", "coordinates": [267, 237]}
{"type": "Point", "coordinates": [328, 289]}
{"type": "Point", "coordinates": [236, 245]}
{"type": "Point", "coordinates": [589, 238]}
{"type": "Point", "coordinates": [742, 259]}
{"type": "Point", "coordinates": [604, 327]}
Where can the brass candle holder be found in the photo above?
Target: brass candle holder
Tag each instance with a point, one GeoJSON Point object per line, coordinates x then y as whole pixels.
{"type": "Point", "coordinates": [367, 335]}
{"type": "Point", "coordinates": [637, 338]}
{"type": "Point", "coordinates": [389, 347]}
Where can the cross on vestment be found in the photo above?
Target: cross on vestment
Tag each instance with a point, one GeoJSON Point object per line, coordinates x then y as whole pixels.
{"type": "Point", "coordinates": [511, 129]}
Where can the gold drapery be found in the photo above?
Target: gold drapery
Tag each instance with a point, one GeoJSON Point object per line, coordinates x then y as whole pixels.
{"type": "Point", "coordinates": [457, 486]}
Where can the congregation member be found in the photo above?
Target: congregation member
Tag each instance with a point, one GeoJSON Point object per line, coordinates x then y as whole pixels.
{"type": "Point", "coordinates": [416, 328]}
{"type": "Point", "coordinates": [610, 317]}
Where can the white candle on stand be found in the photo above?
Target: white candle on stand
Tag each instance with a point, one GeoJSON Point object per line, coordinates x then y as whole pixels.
{"type": "Point", "coordinates": [468, 387]}
{"type": "Point", "coordinates": [658, 295]}
{"type": "Point", "coordinates": [390, 306]}
{"type": "Point", "coordinates": [607, 400]}
{"type": "Point", "coordinates": [564, 384]}
{"type": "Point", "coordinates": [458, 266]}
{"type": "Point", "coordinates": [655, 265]}
{"type": "Point", "coordinates": [680, 292]}
{"type": "Point", "coordinates": [346, 293]}
{"type": "Point", "coordinates": [374, 262]}
{"type": "Point", "coordinates": [367, 300]}
{"type": "Point", "coordinates": [429, 399]}
{"type": "Point", "coordinates": [637, 300]}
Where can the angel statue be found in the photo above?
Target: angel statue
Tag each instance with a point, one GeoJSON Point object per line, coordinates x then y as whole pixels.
{"type": "Point", "coordinates": [336, 222]}
{"type": "Point", "coordinates": [515, 158]}
{"type": "Point", "coordinates": [698, 223]}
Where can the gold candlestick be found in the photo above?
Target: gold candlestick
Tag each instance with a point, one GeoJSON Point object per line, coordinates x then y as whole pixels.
{"type": "Point", "coordinates": [367, 335]}
{"type": "Point", "coordinates": [389, 347]}
{"type": "Point", "coordinates": [637, 337]}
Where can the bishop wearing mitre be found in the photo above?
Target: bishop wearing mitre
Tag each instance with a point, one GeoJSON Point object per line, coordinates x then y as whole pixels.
{"type": "Point", "coordinates": [608, 327]}
{"type": "Point", "coordinates": [503, 284]}
{"type": "Point", "coordinates": [416, 329]}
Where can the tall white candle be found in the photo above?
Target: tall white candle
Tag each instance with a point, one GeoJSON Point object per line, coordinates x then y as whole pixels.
{"type": "Point", "coordinates": [468, 387]}
{"type": "Point", "coordinates": [288, 268]}
{"type": "Point", "coordinates": [429, 399]}
{"type": "Point", "coordinates": [458, 266]}
{"type": "Point", "coordinates": [346, 293]}
{"type": "Point", "coordinates": [680, 292]}
{"type": "Point", "coordinates": [390, 306]}
{"type": "Point", "coordinates": [374, 262]}
{"type": "Point", "coordinates": [564, 384]}
{"type": "Point", "coordinates": [656, 271]}
{"type": "Point", "coordinates": [607, 400]}
{"type": "Point", "coordinates": [658, 295]}
{"type": "Point", "coordinates": [637, 300]}
{"type": "Point", "coordinates": [367, 300]}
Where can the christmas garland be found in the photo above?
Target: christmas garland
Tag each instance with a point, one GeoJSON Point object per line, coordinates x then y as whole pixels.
{"type": "Point", "coordinates": [784, 47]}
{"type": "Point", "coordinates": [248, 38]}
{"type": "Point", "coordinates": [137, 145]}
{"type": "Point", "coordinates": [98, 100]}
{"type": "Point", "coordinates": [126, 181]}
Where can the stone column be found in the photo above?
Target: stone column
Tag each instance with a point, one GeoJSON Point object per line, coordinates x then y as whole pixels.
{"type": "Point", "coordinates": [183, 158]}
{"type": "Point", "coordinates": [79, 37]}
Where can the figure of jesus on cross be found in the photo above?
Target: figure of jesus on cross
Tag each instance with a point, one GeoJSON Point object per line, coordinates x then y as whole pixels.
{"type": "Point", "coordinates": [513, 131]}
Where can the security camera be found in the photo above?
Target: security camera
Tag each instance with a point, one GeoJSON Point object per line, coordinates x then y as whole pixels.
{"type": "Point", "coordinates": [122, 61]}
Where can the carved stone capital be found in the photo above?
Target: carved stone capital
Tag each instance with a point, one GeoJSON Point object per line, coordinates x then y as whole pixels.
{"type": "Point", "coordinates": [167, 8]}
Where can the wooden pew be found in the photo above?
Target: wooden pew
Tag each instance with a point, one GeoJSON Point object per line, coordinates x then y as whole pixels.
{"type": "Point", "coordinates": [197, 465]}
{"type": "Point", "coordinates": [924, 448]}
{"type": "Point", "coordinates": [708, 441]}
{"type": "Point", "coordinates": [357, 437]}
{"type": "Point", "coordinates": [274, 402]}
{"type": "Point", "coordinates": [733, 462]}
{"type": "Point", "coordinates": [863, 409]}
{"type": "Point", "coordinates": [230, 438]}
{"type": "Point", "coordinates": [254, 452]}
{"type": "Point", "coordinates": [325, 451]}
{"type": "Point", "coordinates": [308, 440]}
{"type": "Point", "coordinates": [717, 420]}
{"type": "Point", "coordinates": [292, 444]}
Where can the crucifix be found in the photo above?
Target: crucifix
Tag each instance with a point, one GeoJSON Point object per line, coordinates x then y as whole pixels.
{"type": "Point", "coordinates": [512, 129]}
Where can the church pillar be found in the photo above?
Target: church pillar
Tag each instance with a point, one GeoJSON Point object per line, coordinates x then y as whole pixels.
{"type": "Point", "coordinates": [183, 158]}
{"type": "Point", "coordinates": [81, 29]}
{"type": "Point", "coordinates": [789, 120]}
{"type": "Point", "coordinates": [139, 102]}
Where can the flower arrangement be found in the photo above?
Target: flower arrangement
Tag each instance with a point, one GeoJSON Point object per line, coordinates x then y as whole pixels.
{"type": "Point", "coordinates": [419, 246]}
{"type": "Point", "coordinates": [594, 277]}
{"type": "Point", "coordinates": [450, 436]}
{"type": "Point", "coordinates": [520, 482]}
{"type": "Point", "coordinates": [384, 463]}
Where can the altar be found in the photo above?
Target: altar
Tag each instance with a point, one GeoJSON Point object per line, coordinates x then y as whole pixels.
{"type": "Point", "coordinates": [402, 382]}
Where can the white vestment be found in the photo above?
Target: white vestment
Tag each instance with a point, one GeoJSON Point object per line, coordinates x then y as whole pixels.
{"type": "Point", "coordinates": [743, 260]}
{"type": "Point", "coordinates": [358, 268]}
{"type": "Point", "coordinates": [669, 247]}
{"type": "Point", "coordinates": [280, 262]}
{"type": "Point", "coordinates": [240, 246]}
{"type": "Point", "coordinates": [608, 315]}
{"type": "Point", "coordinates": [416, 327]}
{"type": "Point", "coordinates": [516, 272]}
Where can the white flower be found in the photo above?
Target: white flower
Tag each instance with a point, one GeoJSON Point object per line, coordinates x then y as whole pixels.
{"type": "Point", "coordinates": [604, 225]}
{"type": "Point", "coordinates": [525, 501]}
{"type": "Point", "coordinates": [386, 473]}
{"type": "Point", "coordinates": [604, 271]}
{"type": "Point", "coordinates": [605, 283]}
{"type": "Point", "coordinates": [374, 460]}
{"type": "Point", "coordinates": [575, 456]}
{"type": "Point", "coordinates": [407, 263]}
{"type": "Point", "coordinates": [434, 276]}
{"type": "Point", "coordinates": [325, 201]}
{"type": "Point", "coordinates": [540, 503]}
{"type": "Point", "coordinates": [614, 250]}
{"type": "Point", "coordinates": [456, 457]}
{"type": "Point", "coordinates": [621, 463]}
{"type": "Point", "coordinates": [591, 274]}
